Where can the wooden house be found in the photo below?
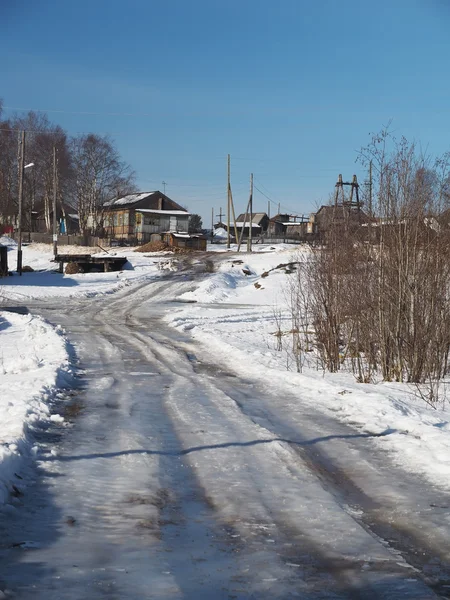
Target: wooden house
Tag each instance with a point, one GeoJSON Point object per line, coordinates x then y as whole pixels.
{"type": "Point", "coordinates": [143, 217]}
{"type": "Point", "coordinates": [277, 227]}
{"type": "Point", "coordinates": [340, 217]}
{"type": "Point", "coordinates": [291, 227]}
{"type": "Point", "coordinates": [259, 224]}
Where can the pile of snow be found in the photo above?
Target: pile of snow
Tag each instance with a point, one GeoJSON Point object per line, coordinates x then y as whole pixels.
{"type": "Point", "coordinates": [34, 362]}
{"type": "Point", "coordinates": [220, 233]}
{"type": "Point", "coordinates": [7, 241]}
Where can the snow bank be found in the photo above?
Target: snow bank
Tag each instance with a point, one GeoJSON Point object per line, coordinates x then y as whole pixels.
{"type": "Point", "coordinates": [7, 241]}
{"type": "Point", "coordinates": [220, 233]}
{"type": "Point", "coordinates": [34, 362]}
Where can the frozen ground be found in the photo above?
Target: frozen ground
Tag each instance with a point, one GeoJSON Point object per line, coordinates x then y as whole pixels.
{"type": "Point", "coordinates": [234, 315]}
{"type": "Point", "coordinates": [194, 460]}
{"type": "Point", "coordinates": [233, 311]}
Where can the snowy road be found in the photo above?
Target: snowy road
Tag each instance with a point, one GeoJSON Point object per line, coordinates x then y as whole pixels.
{"type": "Point", "coordinates": [178, 479]}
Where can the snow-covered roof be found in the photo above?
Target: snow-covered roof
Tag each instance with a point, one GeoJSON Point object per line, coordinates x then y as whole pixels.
{"type": "Point", "coordinates": [74, 216]}
{"type": "Point", "coordinates": [181, 235]}
{"type": "Point", "coordinates": [129, 199]}
{"type": "Point", "coordinates": [293, 223]}
{"type": "Point", "coordinates": [247, 224]}
{"type": "Point", "coordinates": [162, 212]}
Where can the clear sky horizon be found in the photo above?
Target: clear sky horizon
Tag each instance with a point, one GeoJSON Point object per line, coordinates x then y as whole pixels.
{"type": "Point", "coordinates": [290, 89]}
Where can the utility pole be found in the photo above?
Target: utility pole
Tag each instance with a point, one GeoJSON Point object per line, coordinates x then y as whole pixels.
{"type": "Point", "coordinates": [228, 204]}
{"type": "Point", "coordinates": [220, 215]}
{"type": "Point", "coordinates": [164, 184]}
{"type": "Point", "coordinates": [19, 219]}
{"type": "Point", "coordinates": [212, 223]}
{"type": "Point", "coordinates": [55, 231]}
{"type": "Point", "coordinates": [250, 203]}
{"type": "Point", "coordinates": [370, 189]}
{"type": "Point", "coordinates": [268, 208]}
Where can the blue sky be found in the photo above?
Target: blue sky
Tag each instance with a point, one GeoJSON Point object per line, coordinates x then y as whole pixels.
{"type": "Point", "coordinates": [291, 89]}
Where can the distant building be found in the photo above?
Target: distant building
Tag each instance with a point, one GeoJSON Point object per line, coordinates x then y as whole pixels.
{"type": "Point", "coordinates": [143, 217]}
{"type": "Point", "coordinates": [67, 220]}
{"type": "Point", "coordinates": [259, 224]}
{"type": "Point", "coordinates": [339, 216]}
{"type": "Point", "coordinates": [291, 227]}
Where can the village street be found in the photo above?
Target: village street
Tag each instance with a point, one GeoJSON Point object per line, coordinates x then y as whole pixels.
{"type": "Point", "coordinates": [177, 478]}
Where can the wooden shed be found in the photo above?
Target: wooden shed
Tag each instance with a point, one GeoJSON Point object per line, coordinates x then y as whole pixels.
{"type": "Point", "coordinates": [186, 240]}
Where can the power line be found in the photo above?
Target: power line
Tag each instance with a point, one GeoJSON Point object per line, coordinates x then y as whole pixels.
{"type": "Point", "coordinates": [277, 203]}
{"type": "Point", "coordinates": [263, 194]}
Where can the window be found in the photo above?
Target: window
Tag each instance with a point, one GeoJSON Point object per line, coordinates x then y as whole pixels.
{"type": "Point", "coordinates": [151, 220]}
{"type": "Point", "coordinates": [138, 218]}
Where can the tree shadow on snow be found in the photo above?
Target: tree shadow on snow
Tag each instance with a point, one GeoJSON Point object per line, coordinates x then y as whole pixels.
{"type": "Point", "coordinates": [224, 445]}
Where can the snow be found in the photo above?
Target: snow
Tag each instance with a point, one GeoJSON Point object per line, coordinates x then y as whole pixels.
{"type": "Point", "coordinates": [34, 363]}
{"type": "Point", "coordinates": [231, 312]}
{"type": "Point", "coordinates": [235, 320]}
{"type": "Point", "coordinates": [130, 199]}
{"type": "Point", "coordinates": [220, 233]}
{"type": "Point", "coordinates": [7, 241]}
{"type": "Point", "coordinates": [45, 282]}
{"type": "Point", "coordinates": [163, 212]}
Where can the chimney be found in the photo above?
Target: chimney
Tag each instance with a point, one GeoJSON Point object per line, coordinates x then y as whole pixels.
{"type": "Point", "coordinates": [160, 203]}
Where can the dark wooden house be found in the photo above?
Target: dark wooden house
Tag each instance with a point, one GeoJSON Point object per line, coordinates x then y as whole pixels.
{"type": "Point", "coordinates": [291, 227]}
{"type": "Point", "coordinates": [259, 224]}
{"type": "Point", "coordinates": [340, 217]}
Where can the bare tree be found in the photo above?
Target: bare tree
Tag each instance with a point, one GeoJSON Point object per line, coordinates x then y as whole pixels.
{"type": "Point", "coordinates": [99, 176]}
{"type": "Point", "coordinates": [41, 137]}
{"type": "Point", "coordinates": [380, 293]}
{"type": "Point", "coordinates": [89, 170]}
{"type": "Point", "coordinates": [8, 169]}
